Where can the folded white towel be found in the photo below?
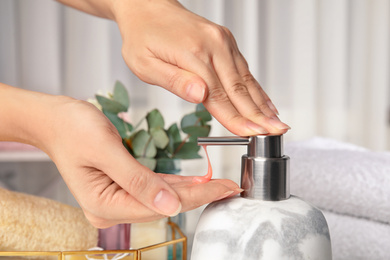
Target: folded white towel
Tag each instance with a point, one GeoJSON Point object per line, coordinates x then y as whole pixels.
{"type": "Point", "coordinates": [341, 178]}
{"type": "Point", "coordinates": [357, 238]}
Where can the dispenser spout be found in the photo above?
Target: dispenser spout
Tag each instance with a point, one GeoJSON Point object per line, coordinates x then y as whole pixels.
{"type": "Point", "coordinates": [265, 169]}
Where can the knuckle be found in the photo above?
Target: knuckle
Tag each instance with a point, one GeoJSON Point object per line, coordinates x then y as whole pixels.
{"type": "Point", "coordinates": [227, 32]}
{"type": "Point", "coordinates": [238, 88]}
{"type": "Point", "coordinates": [217, 33]}
{"type": "Point", "coordinates": [248, 78]}
{"type": "Point", "coordinates": [139, 68]}
{"type": "Point", "coordinates": [258, 113]}
{"type": "Point", "coordinates": [244, 61]}
{"type": "Point", "coordinates": [264, 107]}
{"type": "Point", "coordinates": [137, 64]}
{"type": "Point", "coordinates": [200, 52]}
{"type": "Point", "coordinates": [98, 222]}
{"type": "Point", "coordinates": [218, 95]}
{"type": "Point", "coordinates": [97, 218]}
{"type": "Point", "coordinates": [174, 81]}
{"type": "Point", "coordinates": [137, 183]}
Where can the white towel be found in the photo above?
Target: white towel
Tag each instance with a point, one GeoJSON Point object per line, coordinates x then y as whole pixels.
{"type": "Point", "coordinates": [358, 239]}
{"type": "Point", "coordinates": [341, 178]}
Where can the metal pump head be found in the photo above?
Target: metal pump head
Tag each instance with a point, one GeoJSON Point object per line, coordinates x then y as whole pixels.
{"type": "Point", "coordinates": [264, 169]}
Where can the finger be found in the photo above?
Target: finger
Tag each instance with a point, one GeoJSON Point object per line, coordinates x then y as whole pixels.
{"type": "Point", "coordinates": [260, 97]}
{"type": "Point", "coordinates": [123, 208]}
{"type": "Point", "coordinates": [195, 195]}
{"type": "Point", "coordinates": [250, 81]}
{"type": "Point", "coordinates": [254, 88]}
{"type": "Point", "coordinates": [242, 95]}
{"type": "Point", "coordinates": [217, 101]}
{"type": "Point", "coordinates": [184, 84]}
{"type": "Point", "coordinates": [183, 80]}
{"type": "Point", "coordinates": [139, 181]}
{"type": "Point", "coordinates": [258, 94]}
{"type": "Point", "coordinates": [115, 205]}
{"type": "Point", "coordinates": [172, 179]}
{"type": "Point", "coordinates": [269, 101]}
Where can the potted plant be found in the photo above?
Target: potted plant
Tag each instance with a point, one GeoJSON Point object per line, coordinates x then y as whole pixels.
{"type": "Point", "coordinates": [159, 148]}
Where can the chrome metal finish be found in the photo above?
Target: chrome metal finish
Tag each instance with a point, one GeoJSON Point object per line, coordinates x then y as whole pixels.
{"type": "Point", "coordinates": [264, 170]}
{"type": "Point", "coordinates": [265, 178]}
{"type": "Point", "coordinates": [227, 140]}
{"type": "Point", "coordinates": [268, 146]}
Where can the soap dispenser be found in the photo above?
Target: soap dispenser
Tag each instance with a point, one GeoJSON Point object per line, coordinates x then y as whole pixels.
{"type": "Point", "coordinates": [265, 222]}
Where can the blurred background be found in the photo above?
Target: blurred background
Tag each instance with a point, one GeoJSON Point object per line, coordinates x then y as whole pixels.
{"type": "Point", "coordinates": [324, 63]}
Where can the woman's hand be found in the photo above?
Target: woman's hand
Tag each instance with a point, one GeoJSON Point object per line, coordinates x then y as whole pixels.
{"type": "Point", "coordinates": [109, 184]}
{"type": "Point", "coordinates": [165, 44]}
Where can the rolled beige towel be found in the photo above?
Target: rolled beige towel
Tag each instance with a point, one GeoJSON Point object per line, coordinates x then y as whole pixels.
{"type": "Point", "coordinates": [31, 223]}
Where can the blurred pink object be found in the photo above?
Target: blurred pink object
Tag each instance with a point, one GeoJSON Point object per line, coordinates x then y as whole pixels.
{"type": "Point", "coordinates": [124, 116]}
{"type": "Point", "coordinates": [115, 238]}
{"type": "Point", "coordinates": [14, 146]}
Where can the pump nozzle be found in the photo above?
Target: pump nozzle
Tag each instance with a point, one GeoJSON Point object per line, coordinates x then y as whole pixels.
{"type": "Point", "coordinates": [264, 171]}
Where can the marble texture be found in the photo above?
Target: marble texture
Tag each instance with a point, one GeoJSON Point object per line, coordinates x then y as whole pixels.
{"type": "Point", "coordinates": [248, 229]}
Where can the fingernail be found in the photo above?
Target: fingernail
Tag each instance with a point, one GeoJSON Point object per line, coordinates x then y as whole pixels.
{"type": "Point", "coordinates": [195, 93]}
{"type": "Point", "coordinates": [275, 122]}
{"type": "Point", "coordinates": [167, 204]}
{"type": "Point", "coordinates": [239, 190]}
{"type": "Point", "coordinates": [258, 129]}
{"type": "Point", "coordinates": [226, 194]}
{"type": "Point", "coordinates": [272, 107]}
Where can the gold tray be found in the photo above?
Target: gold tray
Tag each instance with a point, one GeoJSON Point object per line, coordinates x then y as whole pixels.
{"type": "Point", "coordinates": [178, 238]}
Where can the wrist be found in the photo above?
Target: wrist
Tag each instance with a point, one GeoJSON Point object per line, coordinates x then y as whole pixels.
{"type": "Point", "coordinates": [100, 8]}
{"type": "Point", "coordinates": [133, 11]}
{"type": "Point", "coordinates": [27, 116]}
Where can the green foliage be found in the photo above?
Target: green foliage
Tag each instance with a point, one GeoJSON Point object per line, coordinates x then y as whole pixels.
{"type": "Point", "coordinates": [123, 128]}
{"type": "Point", "coordinates": [155, 147]}
{"type": "Point", "coordinates": [110, 105]}
{"type": "Point", "coordinates": [120, 94]}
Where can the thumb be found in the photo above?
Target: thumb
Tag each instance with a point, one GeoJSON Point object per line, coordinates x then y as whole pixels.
{"type": "Point", "coordinates": [141, 183]}
{"type": "Point", "coordinates": [182, 83]}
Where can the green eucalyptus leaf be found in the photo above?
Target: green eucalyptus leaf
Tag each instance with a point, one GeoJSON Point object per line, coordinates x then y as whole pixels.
{"type": "Point", "coordinates": [174, 133]}
{"type": "Point", "coordinates": [143, 145]}
{"type": "Point", "coordinates": [148, 162]}
{"type": "Point", "coordinates": [200, 107]}
{"type": "Point", "coordinates": [167, 165]}
{"type": "Point", "coordinates": [160, 138]}
{"type": "Point", "coordinates": [155, 119]}
{"type": "Point", "coordinates": [110, 105]}
{"type": "Point", "coordinates": [129, 126]}
{"type": "Point", "coordinates": [202, 112]}
{"type": "Point", "coordinates": [187, 150]}
{"type": "Point", "coordinates": [122, 127]}
{"type": "Point", "coordinates": [174, 137]}
{"type": "Point", "coordinates": [204, 116]}
{"type": "Point", "coordinates": [121, 95]}
{"type": "Point", "coordinates": [197, 131]}
{"type": "Point", "coordinates": [190, 120]}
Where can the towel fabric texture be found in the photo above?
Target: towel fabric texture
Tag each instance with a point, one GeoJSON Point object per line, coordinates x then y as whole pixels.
{"type": "Point", "coordinates": [351, 185]}
{"type": "Point", "coordinates": [31, 223]}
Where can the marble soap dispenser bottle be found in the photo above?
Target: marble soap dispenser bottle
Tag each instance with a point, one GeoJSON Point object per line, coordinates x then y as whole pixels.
{"type": "Point", "coordinates": [266, 222]}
